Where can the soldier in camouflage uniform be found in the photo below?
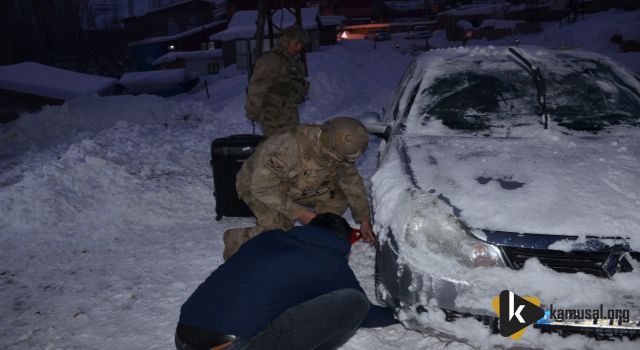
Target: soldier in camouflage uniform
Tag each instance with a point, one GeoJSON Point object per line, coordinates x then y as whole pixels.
{"type": "Point", "coordinates": [300, 171]}
{"type": "Point", "coordinates": [278, 83]}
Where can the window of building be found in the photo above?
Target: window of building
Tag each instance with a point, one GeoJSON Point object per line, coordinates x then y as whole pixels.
{"type": "Point", "coordinates": [213, 68]}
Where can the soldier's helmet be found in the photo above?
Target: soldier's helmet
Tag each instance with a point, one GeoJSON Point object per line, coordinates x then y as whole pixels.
{"type": "Point", "coordinates": [344, 138]}
{"type": "Point", "coordinates": [294, 33]}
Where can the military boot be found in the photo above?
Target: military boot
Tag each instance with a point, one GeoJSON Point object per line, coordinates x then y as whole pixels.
{"type": "Point", "coordinates": [233, 238]}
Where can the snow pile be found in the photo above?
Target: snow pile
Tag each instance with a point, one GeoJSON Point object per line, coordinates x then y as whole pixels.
{"type": "Point", "coordinates": [82, 117]}
{"type": "Point", "coordinates": [107, 207]}
{"type": "Point", "coordinates": [97, 176]}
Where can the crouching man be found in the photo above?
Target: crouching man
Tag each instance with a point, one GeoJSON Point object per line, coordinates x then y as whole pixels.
{"type": "Point", "coordinates": [282, 290]}
{"type": "Point", "coordinates": [300, 171]}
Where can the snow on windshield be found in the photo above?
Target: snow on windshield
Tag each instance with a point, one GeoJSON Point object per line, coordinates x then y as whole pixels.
{"type": "Point", "coordinates": [489, 92]}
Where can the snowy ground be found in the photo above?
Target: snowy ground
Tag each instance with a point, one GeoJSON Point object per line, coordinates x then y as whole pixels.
{"type": "Point", "coordinates": [107, 220]}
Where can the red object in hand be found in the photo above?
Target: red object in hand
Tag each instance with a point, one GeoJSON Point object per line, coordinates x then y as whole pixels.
{"type": "Point", "coordinates": [355, 235]}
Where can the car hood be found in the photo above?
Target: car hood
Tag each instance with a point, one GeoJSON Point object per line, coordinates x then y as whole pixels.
{"type": "Point", "coordinates": [551, 184]}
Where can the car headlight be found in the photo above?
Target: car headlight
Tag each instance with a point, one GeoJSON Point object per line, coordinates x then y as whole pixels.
{"type": "Point", "coordinates": [483, 254]}
{"type": "Point", "coordinates": [432, 225]}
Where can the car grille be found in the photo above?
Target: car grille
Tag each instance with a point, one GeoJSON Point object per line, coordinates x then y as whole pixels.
{"type": "Point", "coordinates": [602, 264]}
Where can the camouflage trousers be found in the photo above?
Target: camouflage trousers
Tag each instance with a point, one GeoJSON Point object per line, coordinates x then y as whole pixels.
{"type": "Point", "coordinates": [269, 219]}
{"type": "Point", "coordinates": [272, 119]}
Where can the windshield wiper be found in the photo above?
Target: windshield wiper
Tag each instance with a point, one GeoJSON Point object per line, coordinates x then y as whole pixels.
{"type": "Point", "coordinates": [540, 86]}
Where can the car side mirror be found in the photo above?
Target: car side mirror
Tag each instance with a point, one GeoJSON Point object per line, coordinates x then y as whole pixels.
{"type": "Point", "coordinates": [372, 121]}
{"type": "Point", "coordinates": [382, 131]}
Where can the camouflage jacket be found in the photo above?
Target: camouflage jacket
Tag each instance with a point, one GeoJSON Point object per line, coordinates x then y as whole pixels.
{"type": "Point", "coordinates": [290, 166]}
{"type": "Point", "coordinates": [277, 79]}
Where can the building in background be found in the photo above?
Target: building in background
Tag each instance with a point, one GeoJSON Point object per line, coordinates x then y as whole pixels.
{"type": "Point", "coordinates": [203, 62]}
{"type": "Point", "coordinates": [145, 51]}
{"type": "Point", "coordinates": [238, 40]}
{"type": "Point", "coordinates": [182, 26]}
{"type": "Point", "coordinates": [173, 19]}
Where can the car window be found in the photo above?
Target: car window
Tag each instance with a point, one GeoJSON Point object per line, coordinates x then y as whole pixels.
{"type": "Point", "coordinates": [473, 101]}
{"type": "Point", "coordinates": [591, 97]}
{"type": "Point", "coordinates": [399, 93]}
{"type": "Point", "coordinates": [581, 96]}
{"type": "Point", "coordinates": [412, 98]}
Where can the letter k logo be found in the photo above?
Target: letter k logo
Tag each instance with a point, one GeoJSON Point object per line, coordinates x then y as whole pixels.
{"type": "Point", "coordinates": [512, 307]}
{"type": "Point", "coordinates": [520, 313]}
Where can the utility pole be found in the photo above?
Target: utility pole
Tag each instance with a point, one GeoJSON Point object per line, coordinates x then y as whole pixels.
{"type": "Point", "coordinates": [266, 11]}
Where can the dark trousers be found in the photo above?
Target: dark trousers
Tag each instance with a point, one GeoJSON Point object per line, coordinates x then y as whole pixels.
{"type": "Point", "coordinates": [322, 323]}
{"type": "Point", "coordinates": [196, 338]}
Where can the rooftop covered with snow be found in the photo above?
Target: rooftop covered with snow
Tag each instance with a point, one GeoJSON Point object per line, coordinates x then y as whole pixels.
{"type": "Point", "coordinates": [187, 55]}
{"type": "Point", "coordinates": [46, 81]}
{"type": "Point", "coordinates": [167, 38]}
{"type": "Point", "coordinates": [243, 23]}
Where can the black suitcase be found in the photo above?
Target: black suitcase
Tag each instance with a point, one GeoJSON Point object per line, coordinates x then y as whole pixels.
{"type": "Point", "coordinates": [227, 156]}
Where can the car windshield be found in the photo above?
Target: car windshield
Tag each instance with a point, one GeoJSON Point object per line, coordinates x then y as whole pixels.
{"type": "Point", "coordinates": [582, 95]}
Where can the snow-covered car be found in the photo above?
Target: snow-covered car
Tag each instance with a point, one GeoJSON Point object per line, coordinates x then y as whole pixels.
{"type": "Point", "coordinates": [510, 169]}
{"type": "Point", "coordinates": [421, 32]}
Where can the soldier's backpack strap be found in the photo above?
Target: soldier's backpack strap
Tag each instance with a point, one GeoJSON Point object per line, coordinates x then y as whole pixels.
{"type": "Point", "coordinates": [302, 135]}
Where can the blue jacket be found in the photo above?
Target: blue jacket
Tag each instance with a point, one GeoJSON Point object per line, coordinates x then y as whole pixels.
{"type": "Point", "coordinates": [271, 273]}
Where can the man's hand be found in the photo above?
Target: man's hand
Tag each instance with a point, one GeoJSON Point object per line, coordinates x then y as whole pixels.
{"type": "Point", "coordinates": [306, 216]}
{"type": "Point", "coordinates": [366, 231]}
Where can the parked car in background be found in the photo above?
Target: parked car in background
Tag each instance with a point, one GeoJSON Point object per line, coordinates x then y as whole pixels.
{"type": "Point", "coordinates": [510, 169]}
{"type": "Point", "coordinates": [378, 35]}
{"type": "Point", "coordinates": [422, 32]}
